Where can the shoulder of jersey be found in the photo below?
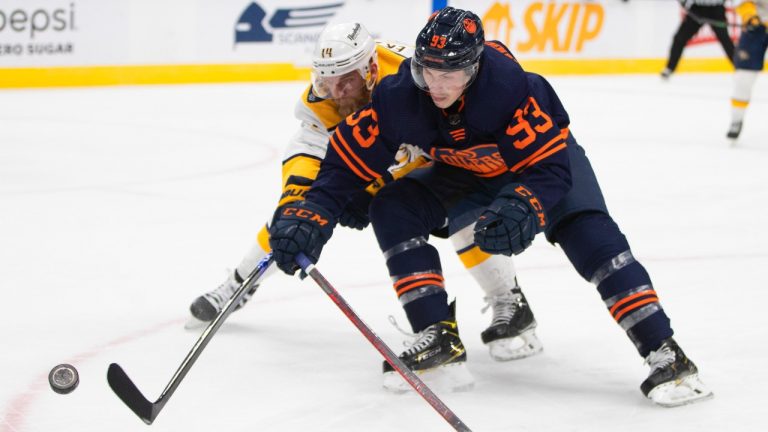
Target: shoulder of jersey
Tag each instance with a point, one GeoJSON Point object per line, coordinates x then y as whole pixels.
{"type": "Point", "coordinates": [498, 62]}
{"type": "Point", "coordinates": [314, 110]}
{"type": "Point", "coordinates": [390, 54]}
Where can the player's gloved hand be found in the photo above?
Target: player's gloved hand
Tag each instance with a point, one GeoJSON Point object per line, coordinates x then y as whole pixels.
{"type": "Point", "coordinates": [355, 214]}
{"type": "Point", "coordinates": [299, 226]}
{"type": "Point", "coordinates": [510, 223]}
{"type": "Point", "coordinates": [753, 23]}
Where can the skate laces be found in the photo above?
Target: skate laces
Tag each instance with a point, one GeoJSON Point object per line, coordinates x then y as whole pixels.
{"type": "Point", "coordinates": [661, 358]}
{"type": "Point", "coordinates": [425, 338]}
{"type": "Point", "coordinates": [504, 305]}
{"type": "Point", "coordinates": [418, 341]}
{"type": "Point", "coordinates": [222, 294]}
{"type": "Point", "coordinates": [412, 337]}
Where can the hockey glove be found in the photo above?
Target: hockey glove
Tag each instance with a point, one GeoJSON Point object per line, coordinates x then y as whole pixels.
{"type": "Point", "coordinates": [355, 214]}
{"type": "Point", "coordinates": [300, 226]}
{"type": "Point", "coordinates": [510, 223]}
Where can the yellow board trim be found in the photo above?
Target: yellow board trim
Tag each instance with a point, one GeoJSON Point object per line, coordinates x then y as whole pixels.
{"type": "Point", "coordinates": [622, 66]}
{"type": "Point", "coordinates": [153, 74]}
{"type": "Point", "coordinates": [228, 73]}
{"type": "Point", "coordinates": [473, 257]}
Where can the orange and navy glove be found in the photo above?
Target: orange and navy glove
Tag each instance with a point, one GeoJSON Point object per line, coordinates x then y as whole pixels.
{"type": "Point", "coordinates": [299, 227]}
{"type": "Point", "coordinates": [510, 223]}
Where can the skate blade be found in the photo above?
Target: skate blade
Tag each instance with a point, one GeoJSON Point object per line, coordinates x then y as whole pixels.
{"type": "Point", "coordinates": [514, 348]}
{"type": "Point", "coordinates": [676, 393]}
{"type": "Point", "coordinates": [194, 324]}
{"type": "Point", "coordinates": [453, 377]}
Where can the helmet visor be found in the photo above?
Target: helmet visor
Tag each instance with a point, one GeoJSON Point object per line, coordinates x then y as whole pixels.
{"type": "Point", "coordinates": [429, 78]}
{"type": "Point", "coordinates": [348, 85]}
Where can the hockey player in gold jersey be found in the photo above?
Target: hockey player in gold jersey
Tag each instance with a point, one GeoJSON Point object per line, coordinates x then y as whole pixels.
{"type": "Point", "coordinates": [347, 63]}
{"type": "Point", "coordinates": [749, 59]}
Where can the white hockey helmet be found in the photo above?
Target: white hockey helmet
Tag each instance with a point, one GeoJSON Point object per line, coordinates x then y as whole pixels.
{"type": "Point", "coordinates": [340, 49]}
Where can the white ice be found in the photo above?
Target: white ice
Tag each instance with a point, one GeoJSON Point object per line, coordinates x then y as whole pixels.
{"type": "Point", "coordinates": [118, 206]}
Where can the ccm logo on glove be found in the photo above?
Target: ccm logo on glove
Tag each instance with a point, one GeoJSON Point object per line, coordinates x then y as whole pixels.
{"type": "Point", "coordinates": [534, 202]}
{"type": "Point", "coordinates": [305, 214]}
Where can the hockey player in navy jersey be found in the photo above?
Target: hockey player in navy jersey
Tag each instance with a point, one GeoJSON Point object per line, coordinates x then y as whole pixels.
{"type": "Point", "coordinates": [505, 161]}
{"type": "Point", "coordinates": [347, 63]}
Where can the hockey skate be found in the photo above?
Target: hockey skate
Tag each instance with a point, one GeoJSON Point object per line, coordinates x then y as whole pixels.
{"type": "Point", "coordinates": [674, 379]}
{"type": "Point", "coordinates": [512, 333]}
{"type": "Point", "coordinates": [734, 131]}
{"type": "Point", "coordinates": [205, 308]}
{"type": "Point", "coordinates": [437, 356]}
{"type": "Point", "coordinates": [666, 73]}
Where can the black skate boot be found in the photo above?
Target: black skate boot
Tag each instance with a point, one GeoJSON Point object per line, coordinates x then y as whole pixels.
{"type": "Point", "coordinates": [205, 308]}
{"type": "Point", "coordinates": [674, 379]}
{"type": "Point", "coordinates": [437, 356]}
{"type": "Point", "coordinates": [734, 131]}
{"type": "Point", "coordinates": [512, 333]}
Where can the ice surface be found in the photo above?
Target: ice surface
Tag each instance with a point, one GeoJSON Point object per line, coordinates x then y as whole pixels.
{"type": "Point", "coordinates": [118, 206]}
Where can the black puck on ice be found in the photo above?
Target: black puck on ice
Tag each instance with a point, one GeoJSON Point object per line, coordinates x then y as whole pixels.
{"type": "Point", "coordinates": [63, 378]}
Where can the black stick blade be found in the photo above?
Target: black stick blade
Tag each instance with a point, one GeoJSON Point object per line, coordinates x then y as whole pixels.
{"type": "Point", "coordinates": [127, 391]}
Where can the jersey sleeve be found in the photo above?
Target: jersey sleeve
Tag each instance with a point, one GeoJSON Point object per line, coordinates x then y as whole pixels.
{"type": "Point", "coordinates": [311, 138]}
{"type": "Point", "coordinates": [534, 144]}
{"type": "Point", "coordinates": [357, 154]}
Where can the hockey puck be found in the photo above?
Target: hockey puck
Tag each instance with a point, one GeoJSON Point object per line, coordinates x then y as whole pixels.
{"type": "Point", "coordinates": [63, 378]}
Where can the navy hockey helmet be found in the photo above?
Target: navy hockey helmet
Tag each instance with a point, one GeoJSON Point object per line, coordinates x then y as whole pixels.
{"type": "Point", "coordinates": [453, 39]}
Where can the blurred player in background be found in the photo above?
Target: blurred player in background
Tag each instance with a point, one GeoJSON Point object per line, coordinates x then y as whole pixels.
{"type": "Point", "coordinates": [698, 13]}
{"type": "Point", "coordinates": [749, 60]}
{"type": "Point", "coordinates": [346, 66]}
{"type": "Point", "coordinates": [504, 164]}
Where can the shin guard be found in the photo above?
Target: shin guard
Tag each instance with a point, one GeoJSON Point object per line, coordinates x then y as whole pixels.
{"type": "Point", "coordinates": [600, 253]}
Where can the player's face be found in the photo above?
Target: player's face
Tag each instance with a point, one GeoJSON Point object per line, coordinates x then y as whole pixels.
{"type": "Point", "coordinates": [347, 86]}
{"type": "Point", "coordinates": [445, 87]}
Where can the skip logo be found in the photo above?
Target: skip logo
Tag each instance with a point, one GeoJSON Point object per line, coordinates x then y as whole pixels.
{"type": "Point", "coordinates": [545, 26]}
{"type": "Point", "coordinates": [284, 24]}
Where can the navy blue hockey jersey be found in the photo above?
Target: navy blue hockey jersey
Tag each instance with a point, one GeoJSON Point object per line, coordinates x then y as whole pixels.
{"type": "Point", "coordinates": [508, 120]}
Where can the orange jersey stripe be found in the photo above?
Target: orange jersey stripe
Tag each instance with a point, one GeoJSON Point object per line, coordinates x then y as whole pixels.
{"type": "Point", "coordinates": [347, 161]}
{"type": "Point", "coordinates": [547, 154]}
{"type": "Point", "coordinates": [635, 306]}
{"type": "Point", "coordinates": [357, 159]}
{"type": "Point", "coordinates": [527, 161]}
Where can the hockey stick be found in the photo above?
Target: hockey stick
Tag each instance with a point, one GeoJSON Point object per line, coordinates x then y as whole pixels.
{"type": "Point", "coordinates": [127, 391]}
{"type": "Point", "coordinates": [707, 21]}
{"type": "Point", "coordinates": [391, 358]}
